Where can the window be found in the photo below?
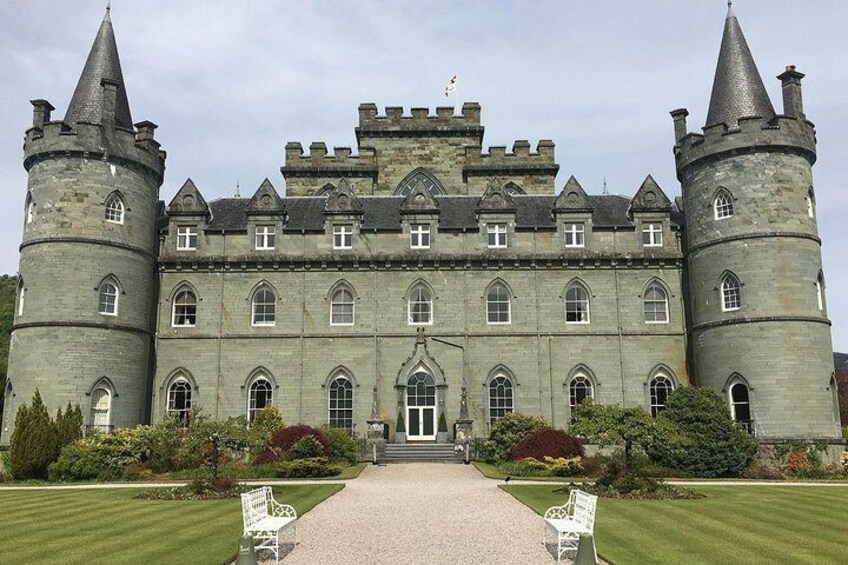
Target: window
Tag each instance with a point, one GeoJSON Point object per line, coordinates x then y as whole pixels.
{"type": "Point", "coordinates": [740, 406]}
{"type": "Point", "coordinates": [179, 400]}
{"type": "Point", "coordinates": [264, 307]}
{"type": "Point", "coordinates": [576, 305]}
{"type": "Point", "coordinates": [656, 305]}
{"type": "Point", "coordinates": [8, 409]}
{"type": "Point", "coordinates": [496, 235]}
{"type": "Point", "coordinates": [420, 306]}
{"type": "Point", "coordinates": [661, 388]}
{"type": "Point", "coordinates": [108, 299]}
{"type": "Point", "coordinates": [500, 398]}
{"type": "Point", "coordinates": [343, 237]}
{"type": "Point", "coordinates": [497, 305]}
{"type": "Point", "coordinates": [723, 205]}
{"type": "Point", "coordinates": [260, 395]}
{"type": "Point", "coordinates": [186, 238]}
{"type": "Point", "coordinates": [430, 183]}
{"type": "Point", "coordinates": [114, 211]}
{"type": "Point", "coordinates": [419, 236]}
{"type": "Point", "coordinates": [101, 402]}
{"type": "Point", "coordinates": [265, 237]}
{"type": "Point", "coordinates": [652, 235]}
{"type": "Point", "coordinates": [342, 308]}
{"type": "Point", "coordinates": [340, 403]}
{"type": "Point", "coordinates": [811, 203]}
{"type": "Point", "coordinates": [30, 208]}
{"type": "Point", "coordinates": [575, 235]}
{"type": "Point", "coordinates": [185, 309]}
{"type": "Point", "coordinates": [21, 296]}
{"type": "Point", "coordinates": [579, 389]}
{"type": "Point", "coordinates": [731, 295]}
{"type": "Point", "coordinates": [820, 292]}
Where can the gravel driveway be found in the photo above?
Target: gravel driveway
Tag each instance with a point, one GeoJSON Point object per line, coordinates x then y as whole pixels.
{"type": "Point", "coordinates": [420, 513]}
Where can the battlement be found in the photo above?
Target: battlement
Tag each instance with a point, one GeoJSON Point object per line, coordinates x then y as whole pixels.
{"type": "Point", "coordinates": [319, 162]}
{"type": "Point", "coordinates": [498, 161]}
{"type": "Point", "coordinates": [419, 122]}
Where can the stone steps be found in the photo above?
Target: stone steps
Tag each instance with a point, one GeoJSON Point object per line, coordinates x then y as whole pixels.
{"type": "Point", "coordinates": [421, 453]}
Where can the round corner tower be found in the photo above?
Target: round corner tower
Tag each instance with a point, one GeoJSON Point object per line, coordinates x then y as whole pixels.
{"type": "Point", "coordinates": [757, 315]}
{"type": "Point", "coordinates": [84, 317]}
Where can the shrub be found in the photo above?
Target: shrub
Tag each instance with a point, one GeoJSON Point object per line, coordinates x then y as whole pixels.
{"type": "Point", "coordinates": [306, 469]}
{"type": "Point", "coordinates": [711, 444]}
{"type": "Point", "coordinates": [283, 439]}
{"type": "Point", "coordinates": [564, 466]}
{"type": "Point", "coordinates": [524, 468]}
{"type": "Point", "coordinates": [68, 425]}
{"type": "Point", "coordinates": [266, 456]}
{"type": "Point", "coordinates": [547, 443]}
{"type": "Point", "coordinates": [34, 443]}
{"type": "Point", "coordinates": [343, 448]}
{"type": "Point", "coordinates": [103, 457]}
{"type": "Point", "coordinates": [760, 469]}
{"type": "Point", "coordinates": [506, 433]}
{"type": "Point", "coordinates": [306, 447]}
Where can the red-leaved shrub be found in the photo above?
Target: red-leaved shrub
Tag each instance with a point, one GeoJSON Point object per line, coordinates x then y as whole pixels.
{"type": "Point", "coordinates": [547, 443]}
{"type": "Point", "coordinates": [284, 438]}
{"type": "Point", "coordinates": [266, 456]}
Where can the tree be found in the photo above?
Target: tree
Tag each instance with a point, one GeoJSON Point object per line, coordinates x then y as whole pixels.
{"type": "Point", "coordinates": [68, 425]}
{"type": "Point", "coordinates": [34, 442]}
{"type": "Point", "coordinates": [8, 289]}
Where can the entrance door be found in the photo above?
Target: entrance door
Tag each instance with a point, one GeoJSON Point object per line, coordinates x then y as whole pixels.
{"type": "Point", "coordinates": [421, 407]}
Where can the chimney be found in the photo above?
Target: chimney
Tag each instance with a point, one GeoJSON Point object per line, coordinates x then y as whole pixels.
{"type": "Point", "coordinates": [793, 104]}
{"type": "Point", "coordinates": [680, 128]}
{"type": "Point", "coordinates": [40, 112]}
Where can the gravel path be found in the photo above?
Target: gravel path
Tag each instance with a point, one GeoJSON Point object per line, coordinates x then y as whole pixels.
{"type": "Point", "coordinates": [420, 513]}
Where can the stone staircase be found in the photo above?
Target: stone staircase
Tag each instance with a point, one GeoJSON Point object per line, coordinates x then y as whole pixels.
{"type": "Point", "coordinates": [421, 453]}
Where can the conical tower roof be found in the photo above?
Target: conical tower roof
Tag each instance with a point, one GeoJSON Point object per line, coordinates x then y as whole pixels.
{"type": "Point", "coordinates": [102, 63]}
{"type": "Point", "coordinates": [738, 90]}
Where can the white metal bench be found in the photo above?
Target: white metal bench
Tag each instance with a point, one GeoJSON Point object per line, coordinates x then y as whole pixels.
{"type": "Point", "coordinates": [265, 518]}
{"type": "Point", "coordinates": [566, 523]}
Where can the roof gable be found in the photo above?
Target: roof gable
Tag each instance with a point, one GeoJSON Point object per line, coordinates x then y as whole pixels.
{"type": "Point", "coordinates": [265, 201]}
{"type": "Point", "coordinates": [343, 200]}
{"type": "Point", "coordinates": [496, 198]}
{"type": "Point", "coordinates": [650, 198]}
{"type": "Point", "coordinates": [573, 198]}
{"type": "Point", "coordinates": [188, 201]}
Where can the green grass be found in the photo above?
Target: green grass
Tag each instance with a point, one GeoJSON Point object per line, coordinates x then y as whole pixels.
{"type": "Point", "coordinates": [109, 526]}
{"type": "Point", "coordinates": [491, 472]}
{"type": "Point", "coordinates": [751, 525]}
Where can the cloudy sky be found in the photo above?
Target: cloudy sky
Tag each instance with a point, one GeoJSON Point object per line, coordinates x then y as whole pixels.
{"type": "Point", "coordinates": [230, 82]}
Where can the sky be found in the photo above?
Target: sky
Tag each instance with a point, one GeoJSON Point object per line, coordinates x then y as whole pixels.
{"type": "Point", "coordinates": [229, 83]}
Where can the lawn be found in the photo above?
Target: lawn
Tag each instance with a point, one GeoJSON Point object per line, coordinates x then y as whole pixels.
{"type": "Point", "coordinates": [751, 525]}
{"type": "Point", "coordinates": [109, 526]}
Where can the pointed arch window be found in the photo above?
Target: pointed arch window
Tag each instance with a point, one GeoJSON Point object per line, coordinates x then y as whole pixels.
{"type": "Point", "coordinates": [498, 307]}
{"type": "Point", "coordinates": [576, 305]}
{"type": "Point", "coordinates": [420, 306]}
{"type": "Point", "coordinates": [513, 189]}
{"type": "Point", "coordinates": [179, 400]}
{"type": "Point", "coordinates": [29, 208]}
{"type": "Point", "coordinates": [820, 292]}
{"type": "Point", "coordinates": [579, 389]}
{"type": "Point", "coordinates": [8, 409]}
{"type": "Point", "coordinates": [101, 407]}
{"type": "Point", "coordinates": [340, 403]}
{"type": "Point", "coordinates": [655, 305]}
{"type": "Point", "coordinates": [21, 296]}
{"type": "Point", "coordinates": [660, 388]}
{"type": "Point", "coordinates": [342, 307]}
{"type": "Point", "coordinates": [430, 183]}
{"type": "Point", "coordinates": [740, 405]}
{"type": "Point", "coordinates": [114, 209]}
{"type": "Point", "coordinates": [264, 307]}
{"type": "Point", "coordinates": [107, 301]}
{"type": "Point", "coordinates": [731, 293]}
{"type": "Point", "coordinates": [501, 398]}
{"type": "Point", "coordinates": [723, 205]}
{"type": "Point", "coordinates": [185, 309]}
{"type": "Point", "coordinates": [811, 203]}
{"type": "Point", "coordinates": [260, 395]}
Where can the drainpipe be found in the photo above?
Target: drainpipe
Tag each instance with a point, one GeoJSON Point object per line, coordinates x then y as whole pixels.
{"type": "Point", "coordinates": [220, 325]}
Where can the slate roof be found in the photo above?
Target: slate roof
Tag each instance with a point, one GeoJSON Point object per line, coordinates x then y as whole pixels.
{"type": "Point", "coordinates": [840, 361]}
{"type": "Point", "coordinates": [457, 213]}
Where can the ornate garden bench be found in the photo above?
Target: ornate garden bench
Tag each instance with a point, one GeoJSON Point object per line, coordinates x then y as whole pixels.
{"type": "Point", "coordinates": [566, 523]}
{"type": "Point", "coordinates": [265, 518]}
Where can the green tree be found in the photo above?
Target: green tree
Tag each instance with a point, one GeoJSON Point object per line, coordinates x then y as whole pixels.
{"type": "Point", "coordinates": [68, 425]}
{"type": "Point", "coordinates": [505, 434]}
{"type": "Point", "coordinates": [8, 289]}
{"type": "Point", "coordinates": [34, 442]}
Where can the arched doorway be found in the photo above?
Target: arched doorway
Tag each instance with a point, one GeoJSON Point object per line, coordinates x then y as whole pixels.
{"type": "Point", "coordinates": [421, 407]}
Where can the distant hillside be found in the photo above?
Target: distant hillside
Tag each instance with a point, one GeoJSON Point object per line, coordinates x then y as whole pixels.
{"type": "Point", "coordinates": [8, 288]}
{"type": "Point", "coordinates": [840, 360]}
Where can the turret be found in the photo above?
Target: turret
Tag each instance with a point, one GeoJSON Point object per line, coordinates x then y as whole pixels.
{"type": "Point", "coordinates": [760, 335]}
{"type": "Point", "coordinates": [84, 325]}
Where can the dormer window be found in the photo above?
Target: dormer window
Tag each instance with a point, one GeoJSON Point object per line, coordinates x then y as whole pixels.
{"type": "Point", "coordinates": [652, 235]}
{"type": "Point", "coordinates": [575, 235]}
{"type": "Point", "coordinates": [265, 238]}
{"type": "Point", "coordinates": [343, 236]}
{"type": "Point", "coordinates": [186, 238]}
{"type": "Point", "coordinates": [419, 236]}
{"type": "Point", "coordinates": [496, 234]}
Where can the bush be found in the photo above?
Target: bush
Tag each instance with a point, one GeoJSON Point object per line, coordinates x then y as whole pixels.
{"type": "Point", "coordinates": [547, 443]}
{"type": "Point", "coordinates": [306, 469]}
{"type": "Point", "coordinates": [34, 443]}
{"type": "Point", "coordinates": [283, 439]}
{"type": "Point", "coordinates": [506, 433]}
{"type": "Point", "coordinates": [711, 444]}
{"type": "Point", "coordinates": [68, 425]}
{"type": "Point", "coordinates": [306, 447]}
{"type": "Point", "coordinates": [103, 457]}
{"type": "Point", "coordinates": [343, 448]}
{"type": "Point", "coordinates": [760, 469]}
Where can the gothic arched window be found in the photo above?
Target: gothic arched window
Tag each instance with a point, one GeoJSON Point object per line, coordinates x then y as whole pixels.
{"type": "Point", "coordinates": [576, 305]}
{"type": "Point", "coordinates": [661, 387]}
{"type": "Point", "coordinates": [656, 305]}
{"type": "Point", "coordinates": [101, 406]}
{"type": "Point", "coordinates": [260, 395]}
{"type": "Point", "coordinates": [579, 389]}
{"type": "Point", "coordinates": [114, 210]}
{"type": "Point", "coordinates": [179, 400]}
{"type": "Point", "coordinates": [811, 203]}
{"type": "Point", "coordinates": [723, 205]}
{"type": "Point", "coordinates": [21, 296]}
{"type": "Point", "coordinates": [185, 309]}
{"type": "Point", "coordinates": [740, 406]}
{"type": "Point", "coordinates": [264, 307]}
{"type": "Point", "coordinates": [342, 308]}
{"type": "Point", "coordinates": [340, 403]}
{"type": "Point", "coordinates": [107, 299]}
{"type": "Point", "coordinates": [820, 292]}
{"type": "Point", "coordinates": [498, 305]}
{"type": "Point", "coordinates": [420, 306]}
{"type": "Point", "coordinates": [29, 208]}
{"type": "Point", "coordinates": [501, 401]}
{"type": "Point", "coordinates": [731, 293]}
{"type": "Point", "coordinates": [430, 183]}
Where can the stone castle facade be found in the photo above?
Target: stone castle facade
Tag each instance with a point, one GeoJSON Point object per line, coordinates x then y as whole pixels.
{"type": "Point", "coordinates": [423, 269]}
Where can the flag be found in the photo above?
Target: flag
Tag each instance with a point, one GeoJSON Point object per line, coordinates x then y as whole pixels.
{"type": "Point", "coordinates": [451, 87]}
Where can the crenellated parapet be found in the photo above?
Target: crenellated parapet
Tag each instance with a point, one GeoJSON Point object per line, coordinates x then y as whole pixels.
{"type": "Point", "coordinates": [520, 161]}
{"type": "Point", "coordinates": [419, 122]}
{"type": "Point", "coordinates": [318, 162]}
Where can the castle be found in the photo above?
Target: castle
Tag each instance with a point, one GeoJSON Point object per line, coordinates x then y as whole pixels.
{"type": "Point", "coordinates": [422, 271]}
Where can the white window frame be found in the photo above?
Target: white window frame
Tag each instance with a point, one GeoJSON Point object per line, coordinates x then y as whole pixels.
{"type": "Point", "coordinates": [177, 304]}
{"type": "Point", "coordinates": [496, 390]}
{"type": "Point", "coordinates": [419, 236]}
{"type": "Point", "coordinates": [186, 238]}
{"type": "Point", "coordinates": [253, 389]}
{"type": "Point", "coordinates": [343, 236]}
{"type": "Point", "coordinates": [575, 234]}
{"type": "Point", "coordinates": [265, 238]}
{"type": "Point", "coordinates": [334, 301]}
{"type": "Point", "coordinates": [182, 414]}
{"type": "Point", "coordinates": [652, 234]}
{"type": "Point", "coordinates": [731, 294]}
{"type": "Point", "coordinates": [820, 300]}
{"type": "Point", "coordinates": [588, 300]}
{"type": "Point", "coordinates": [269, 316]}
{"type": "Point", "coordinates": [113, 211]}
{"type": "Point", "coordinates": [734, 403]}
{"type": "Point", "coordinates": [21, 297]}
{"type": "Point", "coordinates": [411, 301]}
{"type": "Point", "coordinates": [496, 235]}
{"type": "Point", "coordinates": [29, 208]}
{"type": "Point", "coordinates": [345, 412]}
{"type": "Point", "coordinates": [502, 292]}
{"type": "Point", "coordinates": [811, 203]}
{"type": "Point", "coordinates": [103, 291]}
{"type": "Point", "coordinates": [646, 301]}
{"type": "Point", "coordinates": [583, 381]}
{"type": "Point", "coordinates": [723, 206]}
{"type": "Point", "coordinates": [659, 380]}
{"type": "Point", "coordinates": [95, 409]}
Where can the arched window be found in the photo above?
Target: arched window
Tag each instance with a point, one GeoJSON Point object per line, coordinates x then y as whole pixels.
{"type": "Point", "coordinates": [430, 183]}
{"type": "Point", "coordinates": [498, 305]}
{"type": "Point", "coordinates": [723, 205]}
{"type": "Point", "coordinates": [340, 403]}
{"type": "Point", "coordinates": [325, 190]}
{"type": "Point", "coordinates": [420, 306]}
{"type": "Point", "coordinates": [179, 400]}
{"type": "Point", "coordinates": [834, 395]}
{"type": "Point", "coordinates": [656, 305]}
{"type": "Point", "coordinates": [107, 301]}
{"type": "Point", "coordinates": [264, 307]}
{"type": "Point", "coordinates": [114, 210]}
{"type": "Point", "coordinates": [820, 291]}
{"type": "Point", "coordinates": [579, 389]}
{"type": "Point", "coordinates": [342, 308]}
{"type": "Point", "coordinates": [811, 203]}
{"type": "Point", "coordinates": [29, 208]}
{"type": "Point", "coordinates": [185, 309]}
{"type": "Point", "coordinates": [101, 405]}
{"type": "Point", "coordinates": [500, 398]}
{"type": "Point", "coordinates": [740, 407]}
{"type": "Point", "coordinates": [8, 409]}
{"type": "Point", "coordinates": [21, 296]}
{"type": "Point", "coordinates": [513, 188]}
{"type": "Point", "coordinates": [576, 305]}
{"type": "Point", "coordinates": [731, 294]}
{"type": "Point", "coordinates": [260, 395]}
{"type": "Point", "coordinates": [661, 387]}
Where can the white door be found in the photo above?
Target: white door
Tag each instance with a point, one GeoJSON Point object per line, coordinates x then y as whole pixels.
{"type": "Point", "coordinates": [421, 407]}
